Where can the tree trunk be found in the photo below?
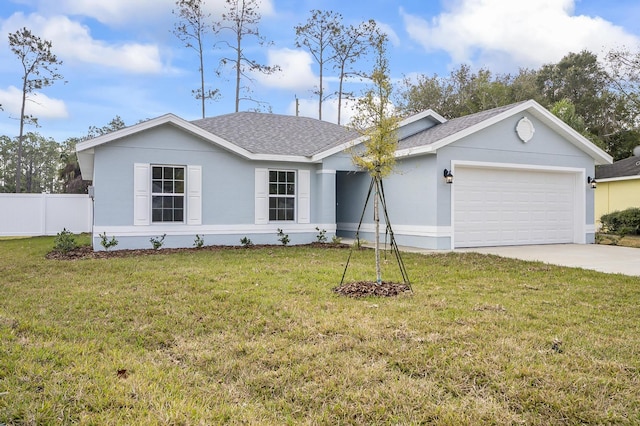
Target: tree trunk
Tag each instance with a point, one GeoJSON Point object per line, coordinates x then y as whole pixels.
{"type": "Point", "coordinates": [340, 92]}
{"type": "Point", "coordinates": [376, 220]}
{"type": "Point", "coordinates": [238, 59]}
{"type": "Point", "coordinates": [201, 74]}
{"type": "Point", "coordinates": [320, 88]}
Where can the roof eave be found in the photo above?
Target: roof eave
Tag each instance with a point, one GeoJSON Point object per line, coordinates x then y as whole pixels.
{"type": "Point", "coordinates": [618, 178]}
{"type": "Point", "coordinates": [428, 113]}
{"type": "Point", "coordinates": [598, 155]}
{"type": "Point", "coordinates": [86, 166]}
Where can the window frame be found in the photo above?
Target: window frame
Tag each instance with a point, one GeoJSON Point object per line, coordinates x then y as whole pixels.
{"type": "Point", "coordinates": [174, 195]}
{"type": "Point", "coordinates": [293, 196]}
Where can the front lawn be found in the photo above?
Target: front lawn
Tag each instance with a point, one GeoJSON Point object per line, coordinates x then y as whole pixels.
{"type": "Point", "coordinates": [256, 336]}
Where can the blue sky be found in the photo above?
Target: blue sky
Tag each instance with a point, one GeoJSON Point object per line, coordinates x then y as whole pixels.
{"type": "Point", "coordinates": [121, 58]}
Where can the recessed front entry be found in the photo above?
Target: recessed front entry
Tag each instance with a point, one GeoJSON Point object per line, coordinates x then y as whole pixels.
{"type": "Point", "coordinates": [513, 206]}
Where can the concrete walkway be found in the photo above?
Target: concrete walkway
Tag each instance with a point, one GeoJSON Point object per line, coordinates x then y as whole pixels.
{"type": "Point", "coordinates": [603, 258]}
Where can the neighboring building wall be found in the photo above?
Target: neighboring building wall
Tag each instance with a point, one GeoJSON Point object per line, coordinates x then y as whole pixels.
{"type": "Point", "coordinates": [44, 214]}
{"type": "Point", "coordinates": [228, 195]}
{"type": "Point", "coordinates": [616, 194]}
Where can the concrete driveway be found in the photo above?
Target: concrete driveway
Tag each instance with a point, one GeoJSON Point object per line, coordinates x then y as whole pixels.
{"type": "Point", "coordinates": [603, 258]}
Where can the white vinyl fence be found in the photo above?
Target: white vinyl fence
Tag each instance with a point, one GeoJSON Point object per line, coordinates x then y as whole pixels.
{"type": "Point", "coordinates": [44, 214]}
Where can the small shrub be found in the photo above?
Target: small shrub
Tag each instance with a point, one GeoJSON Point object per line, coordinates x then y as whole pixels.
{"type": "Point", "coordinates": [157, 242]}
{"type": "Point", "coordinates": [322, 235]}
{"type": "Point", "coordinates": [198, 242]}
{"type": "Point", "coordinates": [336, 240]}
{"type": "Point", "coordinates": [283, 238]}
{"type": "Point", "coordinates": [106, 243]}
{"type": "Point", "coordinates": [246, 242]}
{"type": "Point", "coordinates": [625, 222]}
{"type": "Point", "coordinates": [64, 241]}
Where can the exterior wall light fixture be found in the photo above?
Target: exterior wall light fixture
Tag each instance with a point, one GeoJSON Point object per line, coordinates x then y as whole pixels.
{"type": "Point", "coordinates": [592, 182]}
{"type": "Point", "coordinates": [448, 176]}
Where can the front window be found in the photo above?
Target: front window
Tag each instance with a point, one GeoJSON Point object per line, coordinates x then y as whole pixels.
{"type": "Point", "coordinates": [282, 195]}
{"type": "Point", "coordinates": [167, 194]}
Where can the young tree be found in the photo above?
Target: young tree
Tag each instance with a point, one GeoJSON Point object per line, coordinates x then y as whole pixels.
{"type": "Point", "coordinates": [376, 121]}
{"type": "Point", "coordinates": [191, 30]}
{"type": "Point", "coordinates": [241, 18]}
{"type": "Point", "coordinates": [321, 30]}
{"type": "Point", "coordinates": [351, 44]}
{"type": "Point", "coordinates": [40, 69]}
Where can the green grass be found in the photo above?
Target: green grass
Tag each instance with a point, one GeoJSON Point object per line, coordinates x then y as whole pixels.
{"type": "Point", "coordinates": [257, 337]}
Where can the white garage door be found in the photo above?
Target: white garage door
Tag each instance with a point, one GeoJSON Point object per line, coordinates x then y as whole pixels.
{"type": "Point", "coordinates": [499, 207]}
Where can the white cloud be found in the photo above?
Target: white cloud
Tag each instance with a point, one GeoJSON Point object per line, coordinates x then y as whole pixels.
{"type": "Point", "coordinates": [39, 105]}
{"type": "Point", "coordinates": [388, 30]}
{"type": "Point", "coordinates": [522, 33]}
{"type": "Point", "coordinates": [309, 108]}
{"type": "Point", "coordinates": [72, 42]}
{"type": "Point", "coordinates": [122, 12]}
{"type": "Point", "coordinates": [295, 74]}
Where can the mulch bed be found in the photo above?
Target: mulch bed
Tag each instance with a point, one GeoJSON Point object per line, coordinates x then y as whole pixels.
{"type": "Point", "coordinates": [356, 289]}
{"type": "Point", "coordinates": [86, 252]}
{"type": "Point", "coordinates": [369, 288]}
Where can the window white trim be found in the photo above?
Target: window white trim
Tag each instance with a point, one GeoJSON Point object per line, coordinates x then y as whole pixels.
{"type": "Point", "coordinates": [293, 196]}
{"type": "Point", "coordinates": [142, 195]}
{"type": "Point", "coordinates": [172, 194]}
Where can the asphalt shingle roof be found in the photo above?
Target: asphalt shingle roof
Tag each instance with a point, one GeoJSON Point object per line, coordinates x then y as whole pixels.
{"type": "Point", "coordinates": [276, 134]}
{"type": "Point", "coordinates": [451, 127]}
{"type": "Point", "coordinates": [627, 167]}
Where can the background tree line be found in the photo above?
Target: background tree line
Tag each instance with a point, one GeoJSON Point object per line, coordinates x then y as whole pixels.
{"type": "Point", "coordinates": [599, 99]}
{"type": "Point", "coordinates": [47, 165]}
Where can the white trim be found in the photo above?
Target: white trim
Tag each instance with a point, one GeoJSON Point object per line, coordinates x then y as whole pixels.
{"type": "Point", "coordinates": [233, 229]}
{"type": "Point", "coordinates": [406, 230]}
{"type": "Point", "coordinates": [357, 141]}
{"type": "Point", "coordinates": [316, 158]}
{"type": "Point", "coordinates": [579, 213]}
{"type": "Point", "coordinates": [481, 164]}
{"type": "Point", "coordinates": [618, 179]}
{"type": "Point", "coordinates": [326, 172]}
{"type": "Point", "coordinates": [419, 116]}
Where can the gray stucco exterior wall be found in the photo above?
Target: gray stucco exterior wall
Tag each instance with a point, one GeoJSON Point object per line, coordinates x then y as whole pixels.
{"type": "Point", "coordinates": [420, 202]}
{"type": "Point", "coordinates": [228, 193]}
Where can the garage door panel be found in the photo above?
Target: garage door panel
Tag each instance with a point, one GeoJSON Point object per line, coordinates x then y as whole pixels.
{"type": "Point", "coordinates": [512, 207]}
